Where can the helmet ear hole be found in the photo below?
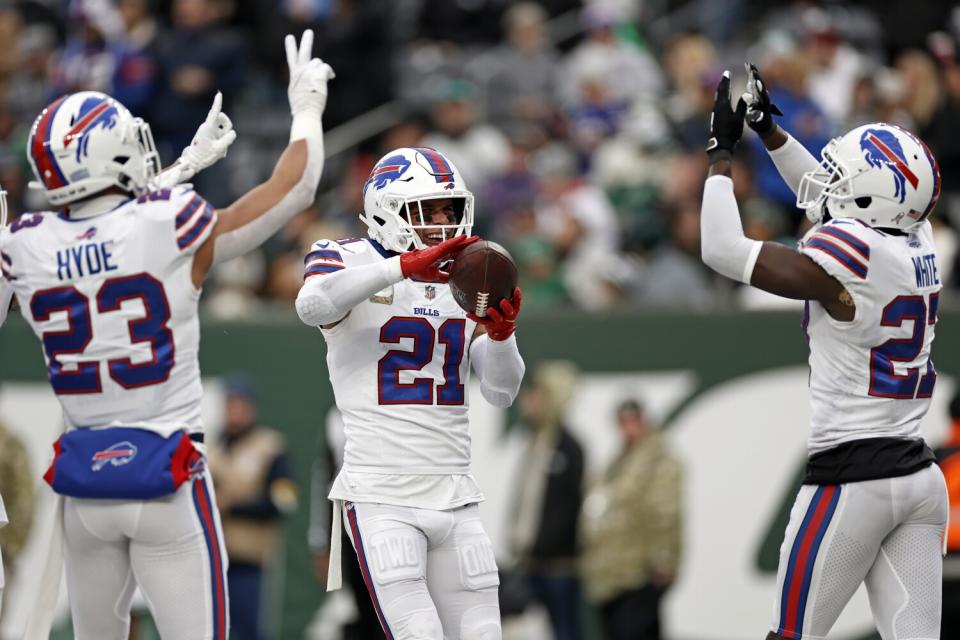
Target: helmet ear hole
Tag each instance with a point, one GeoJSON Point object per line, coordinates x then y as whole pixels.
{"type": "Point", "coordinates": [863, 201]}
{"type": "Point", "coordinates": [121, 159]}
{"type": "Point", "coordinates": [380, 221]}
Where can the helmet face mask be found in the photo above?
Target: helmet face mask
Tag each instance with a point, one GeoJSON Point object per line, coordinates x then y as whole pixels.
{"type": "Point", "coordinates": [877, 173]}
{"type": "Point", "coordinates": [87, 142]}
{"type": "Point", "coordinates": [398, 186]}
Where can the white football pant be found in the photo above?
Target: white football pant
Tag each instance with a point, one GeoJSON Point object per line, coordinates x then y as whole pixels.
{"type": "Point", "coordinates": [431, 574]}
{"type": "Point", "coordinates": [886, 533]}
{"type": "Point", "coordinates": [172, 547]}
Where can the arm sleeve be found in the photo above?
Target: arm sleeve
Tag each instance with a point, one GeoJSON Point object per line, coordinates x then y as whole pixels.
{"type": "Point", "coordinates": [239, 241]}
{"type": "Point", "coordinates": [723, 246]}
{"type": "Point", "coordinates": [792, 161]}
{"type": "Point", "coordinates": [500, 368]}
{"type": "Point", "coordinates": [330, 290]}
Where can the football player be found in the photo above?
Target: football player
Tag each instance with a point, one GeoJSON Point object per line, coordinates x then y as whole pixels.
{"type": "Point", "coordinates": [399, 350]}
{"type": "Point", "coordinates": [873, 506]}
{"type": "Point", "coordinates": [110, 284]}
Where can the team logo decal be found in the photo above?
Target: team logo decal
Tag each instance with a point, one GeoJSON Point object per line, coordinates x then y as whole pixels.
{"type": "Point", "coordinates": [430, 292]}
{"type": "Point", "coordinates": [94, 112]}
{"type": "Point", "coordinates": [882, 149]}
{"type": "Point", "coordinates": [88, 234]}
{"type": "Point", "coordinates": [117, 455]}
{"type": "Point", "coordinates": [388, 170]}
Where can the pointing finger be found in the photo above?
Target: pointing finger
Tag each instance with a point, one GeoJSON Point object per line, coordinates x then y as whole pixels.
{"type": "Point", "coordinates": [214, 114]}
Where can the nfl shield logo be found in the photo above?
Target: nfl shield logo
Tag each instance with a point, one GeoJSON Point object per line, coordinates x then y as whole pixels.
{"type": "Point", "coordinates": [430, 292]}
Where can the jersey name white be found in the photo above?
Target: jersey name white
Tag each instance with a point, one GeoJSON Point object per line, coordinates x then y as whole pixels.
{"type": "Point", "coordinates": [873, 376]}
{"type": "Point", "coordinates": [112, 300]}
{"type": "Point", "coordinates": [399, 367]}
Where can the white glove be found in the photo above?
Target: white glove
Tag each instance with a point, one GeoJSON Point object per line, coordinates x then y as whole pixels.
{"type": "Point", "coordinates": [307, 90]}
{"type": "Point", "coordinates": [210, 144]}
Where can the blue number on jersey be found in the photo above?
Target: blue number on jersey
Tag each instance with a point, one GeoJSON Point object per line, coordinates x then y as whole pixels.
{"type": "Point", "coordinates": [420, 391]}
{"type": "Point", "coordinates": [151, 328]}
{"type": "Point", "coordinates": [884, 381]}
{"type": "Point", "coordinates": [73, 340]}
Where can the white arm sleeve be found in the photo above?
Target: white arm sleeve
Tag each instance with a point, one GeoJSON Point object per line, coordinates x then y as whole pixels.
{"type": "Point", "coordinates": [792, 161]}
{"type": "Point", "coordinates": [235, 243]}
{"type": "Point", "coordinates": [6, 295]}
{"type": "Point", "coordinates": [722, 244]}
{"type": "Point", "coordinates": [325, 299]}
{"type": "Point", "coordinates": [500, 368]}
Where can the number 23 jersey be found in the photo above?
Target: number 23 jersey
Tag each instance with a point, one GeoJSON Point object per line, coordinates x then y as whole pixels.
{"type": "Point", "coordinates": [112, 301]}
{"type": "Point", "coordinates": [399, 364]}
{"type": "Point", "coordinates": [873, 376]}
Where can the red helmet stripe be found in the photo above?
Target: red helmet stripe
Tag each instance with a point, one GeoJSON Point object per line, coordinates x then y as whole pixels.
{"type": "Point", "coordinates": [892, 157]}
{"type": "Point", "coordinates": [84, 122]}
{"type": "Point", "coordinates": [444, 173]}
{"type": "Point", "coordinates": [47, 168]}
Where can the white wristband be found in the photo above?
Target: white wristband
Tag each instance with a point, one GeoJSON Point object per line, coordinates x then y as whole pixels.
{"type": "Point", "coordinates": [306, 125]}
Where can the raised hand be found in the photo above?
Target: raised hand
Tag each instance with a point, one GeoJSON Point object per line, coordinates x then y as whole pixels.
{"type": "Point", "coordinates": [760, 110]}
{"type": "Point", "coordinates": [307, 90]}
{"type": "Point", "coordinates": [726, 124]}
{"type": "Point", "coordinates": [424, 264]}
{"type": "Point", "coordinates": [501, 323]}
{"type": "Point", "coordinates": [212, 139]}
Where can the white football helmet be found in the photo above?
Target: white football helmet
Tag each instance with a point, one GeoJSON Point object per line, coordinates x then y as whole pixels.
{"type": "Point", "coordinates": [86, 142]}
{"type": "Point", "coordinates": [878, 173]}
{"type": "Point", "coordinates": [397, 184]}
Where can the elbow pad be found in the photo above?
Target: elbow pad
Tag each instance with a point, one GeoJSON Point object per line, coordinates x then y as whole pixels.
{"type": "Point", "coordinates": [315, 307]}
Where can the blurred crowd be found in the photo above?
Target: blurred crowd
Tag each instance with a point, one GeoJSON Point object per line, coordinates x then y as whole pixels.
{"type": "Point", "coordinates": [578, 124]}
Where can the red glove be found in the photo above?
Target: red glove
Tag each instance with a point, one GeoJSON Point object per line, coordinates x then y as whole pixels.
{"type": "Point", "coordinates": [500, 324]}
{"type": "Point", "coordinates": [424, 264]}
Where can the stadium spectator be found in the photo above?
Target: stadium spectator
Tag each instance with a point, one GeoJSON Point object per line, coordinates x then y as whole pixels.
{"type": "Point", "coordinates": [521, 80]}
{"type": "Point", "coordinates": [478, 149]}
{"type": "Point", "coordinates": [255, 490]}
{"type": "Point", "coordinates": [196, 57]}
{"type": "Point", "coordinates": [19, 500]}
{"type": "Point", "coordinates": [578, 219]}
{"type": "Point", "coordinates": [543, 535]}
{"type": "Point", "coordinates": [631, 528]}
{"type": "Point", "coordinates": [948, 457]}
{"type": "Point", "coordinates": [836, 66]}
{"type": "Point", "coordinates": [787, 72]}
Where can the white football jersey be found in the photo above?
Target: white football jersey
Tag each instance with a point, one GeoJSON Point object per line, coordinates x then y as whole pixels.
{"type": "Point", "coordinates": [399, 365]}
{"type": "Point", "coordinates": [873, 376]}
{"type": "Point", "coordinates": [112, 301]}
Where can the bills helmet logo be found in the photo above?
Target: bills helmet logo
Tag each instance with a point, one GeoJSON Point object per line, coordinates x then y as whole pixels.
{"type": "Point", "coordinates": [88, 234]}
{"type": "Point", "coordinates": [94, 112]}
{"type": "Point", "coordinates": [882, 149]}
{"type": "Point", "coordinates": [388, 170]}
{"type": "Point", "coordinates": [117, 455]}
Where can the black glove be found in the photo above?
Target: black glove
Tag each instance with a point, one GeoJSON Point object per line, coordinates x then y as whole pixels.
{"type": "Point", "coordinates": [726, 125]}
{"type": "Point", "coordinates": [760, 110]}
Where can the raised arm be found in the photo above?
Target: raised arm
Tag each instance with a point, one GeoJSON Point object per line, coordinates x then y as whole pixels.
{"type": "Point", "coordinates": [725, 249]}
{"type": "Point", "coordinates": [790, 157]}
{"type": "Point", "coordinates": [291, 188]}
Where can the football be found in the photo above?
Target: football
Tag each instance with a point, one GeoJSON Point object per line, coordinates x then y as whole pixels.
{"type": "Point", "coordinates": [482, 275]}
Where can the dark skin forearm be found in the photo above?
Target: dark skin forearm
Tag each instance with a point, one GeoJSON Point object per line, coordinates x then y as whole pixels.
{"type": "Point", "coordinates": [775, 139]}
{"type": "Point", "coordinates": [786, 272]}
